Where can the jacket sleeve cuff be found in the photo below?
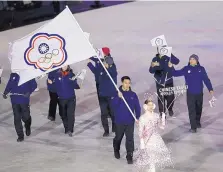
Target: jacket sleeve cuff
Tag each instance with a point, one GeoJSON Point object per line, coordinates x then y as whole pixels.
{"type": "Point", "coordinates": [5, 92]}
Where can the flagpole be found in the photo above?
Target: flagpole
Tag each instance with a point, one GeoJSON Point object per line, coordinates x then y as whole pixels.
{"type": "Point", "coordinates": [104, 67]}
{"type": "Point", "coordinates": [117, 89]}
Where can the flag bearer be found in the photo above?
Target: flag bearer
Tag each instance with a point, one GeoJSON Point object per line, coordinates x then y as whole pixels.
{"type": "Point", "coordinates": [124, 121]}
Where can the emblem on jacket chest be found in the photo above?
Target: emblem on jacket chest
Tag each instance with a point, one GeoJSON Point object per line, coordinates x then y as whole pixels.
{"type": "Point", "coordinates": [101, 73]}
{"type": "Point", "coordinates": [59, 78]}
{"type": "Point", "coordinates": [189, 71]}
{"type": "Point", "coordinates": [13, 78]}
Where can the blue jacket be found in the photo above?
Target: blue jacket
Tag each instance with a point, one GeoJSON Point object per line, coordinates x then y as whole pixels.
{"type": "Point", "coordinates": [106, 87]}
{"type": "Point", "coordinates": [121, 112]}
{"type": "Point", "coordinates": [162, 72]}
{"type": "Point", "coordinates": [95, 69]}
{"type": "Point", "coordinates": [65, 86]}
{"type": "Point", "coordinates": [51, 76]}
{"type": "Point", "coordinates": [26, 88]}
{"type": "Point", "coordinates": [194, 77]}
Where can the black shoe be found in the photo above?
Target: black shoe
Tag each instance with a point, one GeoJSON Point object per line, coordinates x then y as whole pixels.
{"type": "Point", "coordinates": [51, 118]}
{"type": "Point", "coordinates": [28, 126]}
{"type": "Point", "coordinates": [198, 125]}
{"type": "Point", "coordinates": [106, 134]}
{"type": "Point", "coordinates": [28, 131]}
{"type": "Point", "coordinates": [117, 154]}
{"type": "Point", "coordinates": [171, 113]}
{"type": "Point", "coordinates": [193, 130]}
{"type": "Point", "coordinates": [20, 139]}
{"type": "Point", "coordinates": [129, 158]}
{"type": "Point", "coordinates": [70, 134]}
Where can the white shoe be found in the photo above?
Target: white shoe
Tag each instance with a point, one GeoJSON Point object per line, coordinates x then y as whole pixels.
{"type": "Point", "coordinates": [37, 89]}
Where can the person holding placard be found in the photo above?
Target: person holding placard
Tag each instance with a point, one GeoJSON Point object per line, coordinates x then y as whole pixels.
{"type": "Point", "coordinates": [153, 152]}
{"type": "Point", "coordinates": [163, 77]}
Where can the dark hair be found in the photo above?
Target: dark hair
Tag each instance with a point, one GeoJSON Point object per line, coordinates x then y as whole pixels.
{"type": "Point", "coordinates": [68, 68]}
{"type": "Point", "coordinates": [147, 101]}
{"type": "Point", "coordinates": [125, 77]}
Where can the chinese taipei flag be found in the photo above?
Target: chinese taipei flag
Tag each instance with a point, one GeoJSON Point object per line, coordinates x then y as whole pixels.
{"type": "Point", "coordinates": [58, 43]}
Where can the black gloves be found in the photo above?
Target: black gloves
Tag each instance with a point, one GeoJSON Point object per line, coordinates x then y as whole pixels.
{"type": "Point", "coordinates": [27, 95]}
{"type": "Point", "coordinates": [5, 96]}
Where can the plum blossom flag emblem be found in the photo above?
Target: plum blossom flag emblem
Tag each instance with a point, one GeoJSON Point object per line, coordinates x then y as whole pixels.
{"type": "Point", "coordinates": [165, 51]}
{"type": "Point", "coordinates": [59, 42]}
{"type": "Point", "coordinates": [42, 55]}
{"type": "Point", "coordinates": [159, 41]}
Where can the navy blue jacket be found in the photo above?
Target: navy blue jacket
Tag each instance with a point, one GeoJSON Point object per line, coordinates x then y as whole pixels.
{"type": "Point", "coordinates": [65, 86]}
{"type": "Point", "coordinates": [194, 77]}
{"type": "Point", "coordinates": [162, 72]}
{"type": "Point", "coordinates": [121, 112]}
{"type": "Point", "coordinates": [95, 69]}
{"type": "Point", "coordinates": [106, 87]}
{"type": "Point", "coordinates": [51, 76]}
{"type": "Point", "coordinates": [26, 88]}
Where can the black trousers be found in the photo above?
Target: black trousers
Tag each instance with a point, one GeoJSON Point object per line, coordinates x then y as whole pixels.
{"type": "Point", "coordinates": [97, 87]}
{"type": "Point", "coordinates": [53, 104]}
{"type": "Point", "coordinates": [67, 113]}
{"type": "Point", "coordinates": [106, 110]}
{"type": "Point", "coordinates": [120, 130]}
{"type": "Point", "coordinates": [21, 113]}
{"type": "Point", "coordinates": [168, 100]}
{"type": "Point", "coordinates": [195, 105]}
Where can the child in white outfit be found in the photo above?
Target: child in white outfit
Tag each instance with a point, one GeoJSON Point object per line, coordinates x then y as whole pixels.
{"type": "Point", "coordinates": [153, 152]}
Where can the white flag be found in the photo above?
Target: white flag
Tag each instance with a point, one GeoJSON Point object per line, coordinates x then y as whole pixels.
{"type": "Point", "coordinates": [159, 41]}
{"type": "Point", "coordinates": [99, 53]}
{"type": "Point", "coordinates": [165, 51]}
{"type": "Point", "coordinates": [56, 44]}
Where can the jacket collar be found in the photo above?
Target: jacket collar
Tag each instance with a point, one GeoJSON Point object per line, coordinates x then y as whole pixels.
{"type": "Point", "coordinates": [120, 88]}
{"type": "Point", "coordinates": [198, 64]}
